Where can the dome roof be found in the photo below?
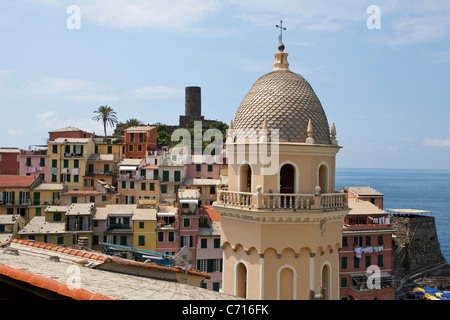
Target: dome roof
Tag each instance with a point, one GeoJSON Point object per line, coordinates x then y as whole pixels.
{"type": "Point", "coordinates": [287, 101]}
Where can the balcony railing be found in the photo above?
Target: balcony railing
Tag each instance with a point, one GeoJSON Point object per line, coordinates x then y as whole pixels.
{"type": "Point", "coordinates": [73, 155]}
{"type": "Point", "coordinates": [281, 200]}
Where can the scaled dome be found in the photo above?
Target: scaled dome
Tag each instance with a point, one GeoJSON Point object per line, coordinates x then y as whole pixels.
{"type": "Point", "coordinates": [287, 101]}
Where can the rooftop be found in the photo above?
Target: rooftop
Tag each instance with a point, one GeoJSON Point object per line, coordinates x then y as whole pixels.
{"type": "Point", "coordinates": [81, 209]}
{"type": "Point", "coordinates": [364, 191]}
{"type": "Point", "coordinates": [70, 140]}
{"type": "Point", "coordinates": [38, 225]}
{"type": "Point", "coordinates": [46, 266]}
{"type": "Point", "coordinates": [10, 181]}
{"type": "Point", "coordinates": [360, 207]}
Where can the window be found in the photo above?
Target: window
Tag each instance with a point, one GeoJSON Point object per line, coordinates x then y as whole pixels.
{"type": "Point", "coordinates": [38, 212]}
{"type": "Point", "coordinates": [131, 184]}
{"type": "Point", "coordinates": [356, 263]}
{"type": "Point", "coordinates": [198, 167]}
{"type": "Point", "coordinates": [210, 168]}
{"type": "Point", "coordinates": [106, 168]}
{"type": "Point", "coordinates": [212, 190]}
{"type": "Point", "coordinates": [28, 163]}
{"type": "Point", "coordinates": [57, 217]}
{"type": "Point", "coordinates": [201, 265]}
{"type": "Point", "coordinates": [130, 148]}
{"type": "Point", "coordinates": [95, 240]}
{"type": "Point", "coordinates": [160, 236]}
{"type": "Point", "coordinates": [54, 148]}
{"type": "Point", "coordinates": [123, 240]}
{"type": "Point", "coordinates": [380, 260]}
{"type": "Point", "coordinates": [186, 222]}
{"type": "Point", "coordinates": [75, 178]}
{"type": "Point", "coordinates": [143, 186]}
{"type": "Point", "coordinates": [380, 240]}
{"type": "Point", "coordinates": [60, 240]}
{"type": "Point", "coordinates": [171, 236]}
{"type": "Point", "coordinates": [186, 241]}
{"type": "Point", "coordinates": [76, 163]}
{"type": "Point", "coordinates": [155, 174]}
{"type": "Point", "coordinates": [91, 198]}
{"type": "Point", "coordinates": [124, 184]}
{"type": "Point", "coordinates": [74, 199]}
{"type": "Point", "coordinates": [66, 163]}
{"type": "Point", "coordinates": [344, 263]}
{"type": "Point", "coordinates": [368, 240]}
{"type": "Point", "coordinates": [204, 243]}
{"type": "Point", "coordinates": [368, 261]}
{"type": "Point", "coordinates": [163, 188]}
{"type": "Point", "coordinates": [152, 186]}
{"type": "Point", "coordinates": [141, 225]}
{"type": "Point", "coordinates": [216, 286]}
{"type": "Point", "coordinates": [42, 162]}
{"type": "Point", "coordinates": [217, 243]}
{"type": "Point", "coordinates": [53, 177]}
{"type": "Point", "coordinates": [357, 242]}
{"type": "Point", "coordinates": [344, 282]}
{"type": "Point", "coordinates": [54, 163]}
{"type": "Point", "coordinates": [139, 147]}
{"type": "Point", "coordinates": [141, 240]}
{"type": "Point", "coordinates": [345, 242]}
{"type": "Point", "coordinates": [96, 149]}
{"type": "Point", "coordinates": [109, 149]}
{"type": "Point", "coordinates": [177, 177]}
{"type": "Point", "coordinates": [165, 175]}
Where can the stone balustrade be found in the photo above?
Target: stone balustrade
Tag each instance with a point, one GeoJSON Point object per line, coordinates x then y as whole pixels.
{"type": "Point", "coordinates": [281, 201]}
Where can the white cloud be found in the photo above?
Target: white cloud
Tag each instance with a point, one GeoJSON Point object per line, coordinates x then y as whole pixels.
{"type": "Point", "coordinates": [436, 143]}
{"type": "Point", "coordinates": [45, 115]}
{"type": "Point", "coordinates": [151, 93]}
{"type": "Point", "coordinates": [67, 89]}
{"type": "Point", "coordinates": [131, 14]}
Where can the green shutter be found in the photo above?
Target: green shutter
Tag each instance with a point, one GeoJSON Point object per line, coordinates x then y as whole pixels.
{"type": "Point", "coordinates": [210, 265]}
{"type": "Point", "coordinates": [177, 176]}
{"type": "Point", "coordinates": [20, 197]}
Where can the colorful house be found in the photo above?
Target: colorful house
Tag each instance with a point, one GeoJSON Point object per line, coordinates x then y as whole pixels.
{"type": "Point", "coordinates": [208, 251]}
{"type": "Point", "coordinates": [139, 140]}
{"type": "Point", "coordinates": [127, 180]}
{"type": "Point", "coordinates": [68, 160]}
{"type": "Point", "coordinates": [9, 161]}
{"type": "Point", "coordinates": [42, 196]}
{"type": "Point", "coordinates": [34, 163]}
{"type": "Point", "coordinates": [15, 194]}
{"type": "Point", "coordinates": [365, 270]}
{"type": "Point", "coordinates": [62, 225]}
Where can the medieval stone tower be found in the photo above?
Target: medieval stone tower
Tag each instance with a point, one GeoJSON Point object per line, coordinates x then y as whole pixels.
{"type": "Point", "coordinates": [281, 218]}
{"type": "Point", "coordinates": [193, 106]}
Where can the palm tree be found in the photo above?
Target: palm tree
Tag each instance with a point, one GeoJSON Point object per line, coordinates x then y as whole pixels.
{"type": "Point", "coordinates": [133, 123]}
{"type": "Point", "coordinates": [107, 115]}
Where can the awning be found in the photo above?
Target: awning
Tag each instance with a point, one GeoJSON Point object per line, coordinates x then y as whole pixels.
{"type": "Point", "coordinates": [127, 168]}
{"type": "Point", "coordinates": [189, 201]}
{"type": "Point", "coordinates": [166, 214]}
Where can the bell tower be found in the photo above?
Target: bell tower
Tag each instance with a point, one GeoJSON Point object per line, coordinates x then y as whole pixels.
{"type": "Point", "coordinates": [281, 218]}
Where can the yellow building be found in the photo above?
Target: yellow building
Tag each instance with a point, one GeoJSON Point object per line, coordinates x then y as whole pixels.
{"type": "Point", "coordinates": [42, 196]}
{"type": "Point", "coordinates": [100, 167]}
{"type": "Point", "coordinates": [281, 218]}
{"type": "Point", "coordinates": [144, 229]}
{"type": "Point", "coordinates": [68, 161]}
{"type": "Point", "coordinates": [62, 225]}
{"type": "Point", "coordinates": [15, 194]}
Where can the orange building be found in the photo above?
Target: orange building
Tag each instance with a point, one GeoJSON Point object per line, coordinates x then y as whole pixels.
{"type": "Point", "coordinates": [138, 141]}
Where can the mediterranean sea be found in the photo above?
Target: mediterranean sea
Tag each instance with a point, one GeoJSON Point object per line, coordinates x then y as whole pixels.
{"type": "Point", "coordinates": [408, 189]}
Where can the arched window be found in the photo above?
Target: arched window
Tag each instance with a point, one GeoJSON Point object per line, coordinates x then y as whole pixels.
{"type": "Point", "coordinates": [287, 178]}
{"type": "Point", "coordinates": [245, 178]}
{"type": "Point", "coordinates": [241, 280]}
{"type": "Point", "coordinates": [286, 284]}
{"type": "Point", "coordinates": [323, 178]}
{"type": "Point", "coordinates": [326, 281]}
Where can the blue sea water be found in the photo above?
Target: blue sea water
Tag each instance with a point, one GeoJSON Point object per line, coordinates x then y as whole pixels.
{"type": "Point", "coordinates": [408, 189]}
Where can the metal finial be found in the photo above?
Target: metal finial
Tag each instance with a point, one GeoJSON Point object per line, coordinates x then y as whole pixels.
{"type": "Point", "coordinates": [280, 37]}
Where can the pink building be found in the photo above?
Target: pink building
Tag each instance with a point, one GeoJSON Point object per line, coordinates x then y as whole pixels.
{"type": "Point", "coordinates": [199, 169]}
{"type": "Point", "coordinates": [34, 163]}
{"type": "Point", "coordinates": [209, 252]}
{"type": "Point", "coordinates": [366, 248]}
{"type": "Point", "coordinates": [167, 230]}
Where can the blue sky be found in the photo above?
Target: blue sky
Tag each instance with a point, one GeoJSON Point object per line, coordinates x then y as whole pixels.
{"type": "Point", "coordinates": [386, 89]}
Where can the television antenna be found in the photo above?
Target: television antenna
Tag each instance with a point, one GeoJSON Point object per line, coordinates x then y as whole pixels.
{"type": "Point", "coordinates": [183, 259]}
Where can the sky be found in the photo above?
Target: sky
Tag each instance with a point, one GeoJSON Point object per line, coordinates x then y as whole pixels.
{"type": "Point", "coordinates": [381, 68]}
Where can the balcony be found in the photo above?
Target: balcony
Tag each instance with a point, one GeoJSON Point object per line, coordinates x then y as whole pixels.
{"type": "Point", "coordinates": [280, 201]}
{"type": "Point", "coordinates": [99, 173]}
{"type": "Point", "coordinates": [73, 155]}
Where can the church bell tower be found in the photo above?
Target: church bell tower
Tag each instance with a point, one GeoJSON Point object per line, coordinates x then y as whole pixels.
{"type": "Point", "coordinates": [281, 217]}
